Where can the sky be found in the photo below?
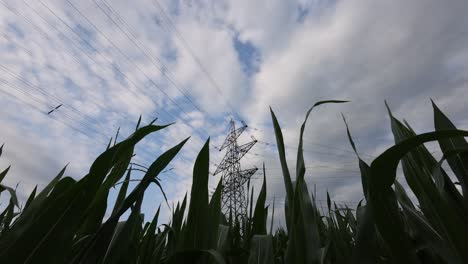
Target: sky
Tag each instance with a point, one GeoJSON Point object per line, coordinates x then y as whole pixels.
{"type": "Point", "coordinates": [201, 63]}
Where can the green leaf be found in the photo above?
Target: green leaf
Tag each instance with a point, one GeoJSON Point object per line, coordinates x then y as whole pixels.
{"type": "Point", "coordinates": [138, 123]}
{"type": "Point", "coordinates": [13, 197]}
{"type": "Point", "coordinates": [149, 240]}
{"type": "Point", "coordinates": [93, 250]}
{"type": "Point", "coordinates": [38, 237]}
{"type": "Point", "coordinates": [458, 163]}
{"type": "Point", "coordinates": [300, 167]}
{"type": "Point", "coordinates": [29, 213]}
{"type": "Point", "coordinates": [261, 250]}
{"type": "Point", "coordinates": [365, 250]}
{"type": "Point", "coordinates": [30, 198]}
{"type": "Point", "coordinates": [7, 217]}
{"type": "Point", "coordinates": [223, 238]}
{"type": "Point", "coordinates": [122, 192]}
{"type": "Point", "coordinates": [197, 217]}
{"type": "Point", "coordinates": [196, 256]}
{"type": "Point", "coordinates": [259, 218]}
{"type": "Point", "coordinates": [93, 217]}
{"type": "Point", "coordinates": [109, 144]}
{"type": "Point", "coordinates": [153, 171]}
{"type": "Point", "coordinates": [422, 228]}
{"type": "Point", "coordinates": [49, 236]}
{"type": "Point", "coordinates": [4, 173]}
{"type": "Point", "coordinates": [123, 247]}
{"type": "Point", "coordinates": [116, 135]}
{"type": "Point", "coordinates": [445, 185]}
{"type": "Point", "coordinates": [304, 241]}
{"type": "Point", "coordinates": [383, 200]}
{"type": "Point", "coordinates": [284, 167]}
{"type": "Point", "coordinates": [272, 216]}
{"type": "Point", "coordinates": [153, 121]}
{"type": "Point", "coordinates": [215, 216]}
{"type": "Point", "coordinates": [363, 167]}
{"type": "Point", "coordinates": [304, 238]}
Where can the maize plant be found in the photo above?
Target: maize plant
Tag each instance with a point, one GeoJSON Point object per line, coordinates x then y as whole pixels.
{"type": "Point", "coordinates": [65, 221]}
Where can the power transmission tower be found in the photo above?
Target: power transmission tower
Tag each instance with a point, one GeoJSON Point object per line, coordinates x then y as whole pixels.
{"type": "Point", "coordinates": [234, 200]}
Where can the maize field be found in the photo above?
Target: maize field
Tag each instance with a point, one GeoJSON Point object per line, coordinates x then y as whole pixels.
{"type": "Point", "coordinates": [65, 221]}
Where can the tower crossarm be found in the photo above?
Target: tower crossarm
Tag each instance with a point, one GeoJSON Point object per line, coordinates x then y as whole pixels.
{"type": "Point", "coordinates": [243, 177]}
{"type": "Point", "coordinates": [227, 161]}
{"type": "Point", "coordinates": [245, 148]}
{"type": "Point", "coordinates": [232, 137]}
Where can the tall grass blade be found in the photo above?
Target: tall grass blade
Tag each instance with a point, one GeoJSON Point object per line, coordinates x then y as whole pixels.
{"type": "Point", "coordinates": [259, 217]}
{"type": "Point", "coordinates": [284, 167]}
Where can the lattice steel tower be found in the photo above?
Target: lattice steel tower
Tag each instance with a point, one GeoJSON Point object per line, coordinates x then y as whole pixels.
{"type": "Point", "coordinates": [234, 195]}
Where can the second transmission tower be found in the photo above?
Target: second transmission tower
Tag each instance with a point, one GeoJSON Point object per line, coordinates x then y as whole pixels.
{"type": "Point", "coordinates": [234, 202]}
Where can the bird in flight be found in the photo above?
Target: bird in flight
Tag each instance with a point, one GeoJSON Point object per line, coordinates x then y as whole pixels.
{"type": "Point", "coordinates": [57, 107]}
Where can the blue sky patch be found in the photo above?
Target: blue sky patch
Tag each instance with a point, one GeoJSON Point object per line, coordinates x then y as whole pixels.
{"type": "Point", "coordinates": [170, 54]}
{"type": "Point", "coordinates": [15, 29]}
{"type": "Point", "coordinates": [249, 56]}
{"type": "Point", "coordinates": [313, 9]}
{"type": "Point", "coordinates": [157, 19]}
{"type": "Point", "coordinates": [71, 86]}
{"type": "Point", "coordinates": [86, 36]}
{"type": "Point", "coordinates": [118, 74]}
{"type": "Point", "coordinates": [302, 13]}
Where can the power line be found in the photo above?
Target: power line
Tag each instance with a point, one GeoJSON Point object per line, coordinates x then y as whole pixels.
{"type": "Point", "coordinates": [89, 45]}
{"type": "Point", "coordinates": [5, 36]}
{"type": "Point", "coordinates": [133, 40]}
{"type": "Point", "coordinates": [128, 58]}
{"type": "Point", "coordinates": [345, 159]}
{"type": "Point", "coordinates": [74, 57]}
{"type": "Point", "coordinates": [330, 176]}
{"type": "Point", "coordinates": [305, 150]}
{"type": "Point", "coordinates": [35, 98]}
{"type": "Point", "coordinates": [4, 68]}
{"type": "Point", "coordinates": [317, 167]}
{"type": "Point", "coordinates": [43, 34]}
{"type": "Point", "coordinates": [87, 42]}
{"type": "Point", "coordinates": [43, 92]}
{"type": "Point", "coordinates": [338, 202]}
{"type": "Point", "coordinates": [349, 163]}
{"type": "Point", "coordinates": [120, 51]}
{"type": "Point", "coordinates": [334, 173]}
{"type": "Point", "coordinates": [310, 179]}
{"type": "Point", "coordinates": [321, 165]}
{"type": "Point", "coordinates": [90, 126]}
{"type": "Point", "coordinates": [43, 112]}
{"type": "Point", "coordinates": [328, 147]}
{"type": "Point", "coordinates": [163, 69]}
{"type": "Point", "coordinates": [89, 122]}
{"type": "Point", "coordinates": [75, 32]}
{"type": "Point", "coordinates": [194, 57]}
{"type": "Point", "coordinates": [58, 99]}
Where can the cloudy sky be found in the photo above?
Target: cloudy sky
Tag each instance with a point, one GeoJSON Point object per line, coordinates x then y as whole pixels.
{"type": "Point", "coordinates": [201, 63]}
